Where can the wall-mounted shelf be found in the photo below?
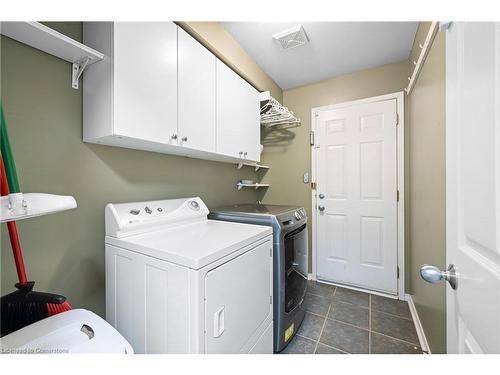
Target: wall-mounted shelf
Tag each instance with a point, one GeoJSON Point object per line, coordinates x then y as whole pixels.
{"type": "Point", "coordinates": [253, 165]}
{"type": "Point", "coordinates": [20, 206]}
{"type": "Point", "coordinates": [45, 39]}
{"type": "Point", "coordinates": [256, 186]}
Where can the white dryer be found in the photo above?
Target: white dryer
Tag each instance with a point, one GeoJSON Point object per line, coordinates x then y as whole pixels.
{"type": "Point", "coordinates": [177, 282]}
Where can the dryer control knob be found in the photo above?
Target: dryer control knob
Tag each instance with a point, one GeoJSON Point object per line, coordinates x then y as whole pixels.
{"type": "Point", "coordinates": [194, 205]}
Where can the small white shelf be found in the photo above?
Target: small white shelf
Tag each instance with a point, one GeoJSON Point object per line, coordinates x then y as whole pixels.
{"type": "Point", "coordinates": [20, 206]}
{"type": "Point", "coordinates": [256, 166]}
{"type": "Point", "coordinates": [45, 39]}
{"type": "Point", "coordinates": [256, 186]}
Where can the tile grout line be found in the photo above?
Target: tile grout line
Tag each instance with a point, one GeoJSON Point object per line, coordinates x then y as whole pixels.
{"type": "Point", "coordinates": [370, 324]}
{"type": "Point", "coordinates": [396, 339]}
{"type": "Point", "coordinates": [324, 323]}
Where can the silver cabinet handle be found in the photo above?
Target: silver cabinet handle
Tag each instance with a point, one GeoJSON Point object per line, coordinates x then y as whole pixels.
{"type": "Point", "coordinates": [321, 208]}
{"type": "Point", "coordinates": [321, 196]}
{"type": "Point", "coordinates": [174, 136]}
{"type": "Point", "coordinates": [184, 139]}
{"type": "Point", "coordinates": [433, 274]}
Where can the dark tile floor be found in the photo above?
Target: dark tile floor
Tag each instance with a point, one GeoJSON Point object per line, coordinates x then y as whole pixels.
{"type": "Point", "coordinates": [343, 321]}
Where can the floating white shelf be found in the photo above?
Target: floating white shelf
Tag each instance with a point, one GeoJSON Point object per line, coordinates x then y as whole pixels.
{"type": "Point", "coordinates": [256, 166]}
{"type": "Point", "coordinates": [256, 186]}
{"type": "Point", "coordinates": [45, 39]}
{"type": "Point", "coordinates": [20, 206]}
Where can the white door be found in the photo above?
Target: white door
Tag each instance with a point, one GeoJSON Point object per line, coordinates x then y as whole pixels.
{"type": "Point", "coordinates": [472, 186]}
{"type": "Point", "coordinates": [356, 215]}
{"type": "Point", "coordinates": [145, 80]}
{"type": "Point", "coordinates": [238, 115]}
{"type": "Point", "coordinates": [238, 300]}
{"type": "Point", "coordinates": [196, 95]}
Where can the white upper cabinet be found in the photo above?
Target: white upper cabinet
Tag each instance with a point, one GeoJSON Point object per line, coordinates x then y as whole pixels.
{"type": "Point", "coordinates": [197, 81]}
{"type": "Point", "coordinates": [145, 80]}
{"type": "Point", "coordinates": [158, 89]}
{"type": "Point", "coordinates": [238, 116]}
{"type": "Point", "coordinates": [133, 93]}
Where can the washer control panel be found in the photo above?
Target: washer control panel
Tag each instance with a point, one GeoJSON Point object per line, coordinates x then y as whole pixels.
{"type": "Point", "coordinates": [138, 216]}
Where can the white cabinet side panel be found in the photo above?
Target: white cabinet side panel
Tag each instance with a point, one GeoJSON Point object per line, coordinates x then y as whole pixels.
{"type": "Point", "coordinates": [98, 82]}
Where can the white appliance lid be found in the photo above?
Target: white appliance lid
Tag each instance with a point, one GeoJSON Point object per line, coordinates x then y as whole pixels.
{"type": "Point", "coordinates": [194, 245]}
{"type": "Point", "coordinates": [74, 331]}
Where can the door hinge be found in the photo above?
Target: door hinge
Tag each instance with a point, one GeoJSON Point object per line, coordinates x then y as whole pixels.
{"type": "Point", "coordinates": [271, 253]}
{"type": "Point", "coordinates": [397, 119]}
{"type": "Point", "coordinates": [397, 195]}
{"type": "Point", "coordinates": [397, 271]}
{"type": "Point", "coordinates": [313, 185]}
{"type": "Point", "coordinates": [311, 138]}
{"type": "Point", "coordinates": [270, 300]}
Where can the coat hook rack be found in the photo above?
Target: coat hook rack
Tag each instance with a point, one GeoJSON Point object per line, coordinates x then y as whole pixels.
{"type": "Point", "coordinates": [431, 34]}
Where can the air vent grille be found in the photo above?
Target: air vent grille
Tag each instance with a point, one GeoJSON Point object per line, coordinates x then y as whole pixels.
{"type": "Point", "coordinates": [292, 37]}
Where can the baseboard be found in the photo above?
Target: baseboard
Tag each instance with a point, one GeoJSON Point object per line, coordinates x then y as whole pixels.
{"type": "Point", "coordinates": [418, 325]}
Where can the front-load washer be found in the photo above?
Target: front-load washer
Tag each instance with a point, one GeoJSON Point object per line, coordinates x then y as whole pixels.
{"type": "Point", "coordinates": [290, 249]}
{"type": "Point", "coordinates": [177, 282]}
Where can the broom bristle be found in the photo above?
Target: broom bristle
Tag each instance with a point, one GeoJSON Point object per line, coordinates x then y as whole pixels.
{"type": "Point", "coordinates": [57, 308]}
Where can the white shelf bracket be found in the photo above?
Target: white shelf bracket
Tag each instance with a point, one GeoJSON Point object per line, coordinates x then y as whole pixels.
{"type": "Point", "coordinates": [77, 71]}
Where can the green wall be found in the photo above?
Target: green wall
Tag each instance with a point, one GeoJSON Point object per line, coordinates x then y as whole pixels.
{"type": "Point", "coordinates": [64, 252]}
{"type": "Point", "coordinates": [427, 242]}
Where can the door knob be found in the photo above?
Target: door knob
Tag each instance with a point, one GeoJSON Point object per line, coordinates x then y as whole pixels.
{"type": "Point", "coordinates": [184, 139]}
{"type": "Point", "coordinates": [433, 275]}
{"type": "Point", "coordinates": [321, 196]}
{"type": "Point", "coordinates": [321, 208]}
{"type": "Point", "coordinates": [174, 136]}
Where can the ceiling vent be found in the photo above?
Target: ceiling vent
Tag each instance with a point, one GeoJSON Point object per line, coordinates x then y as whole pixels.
{"type": "Point", "coordinates": [291, 38]}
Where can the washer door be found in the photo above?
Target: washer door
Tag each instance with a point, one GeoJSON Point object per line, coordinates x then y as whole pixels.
{"type": "Point", "coordinates": [238, 300]}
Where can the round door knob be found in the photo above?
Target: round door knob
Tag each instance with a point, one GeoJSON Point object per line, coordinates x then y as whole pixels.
{"type": "Point", "coordinates": [321, 196]}
{"type": "Point", "coordinates": [184, 139]}
{"type": "Point", "coordinates": [321, 208]}
{"type": "Point", "coordinates": [174, 136]}
{"type": "Point", "coordinates": [245, 153]}
{"type": "Point", "coordinates": [433, 274]}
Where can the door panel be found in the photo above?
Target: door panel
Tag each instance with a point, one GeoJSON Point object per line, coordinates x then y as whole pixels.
{"type": "Point", "coordinates": [472, 166]}
{"type": "Point", "coordinates": [238, 115]}
{"type": "Point", "coordinates": [197, 93]}
{"type": "Point", "coordinates": [145, 80]}
{"type": "Point", "coordinates": [356, 171]}
{"type": "Point", "coordinates": [237, 300]}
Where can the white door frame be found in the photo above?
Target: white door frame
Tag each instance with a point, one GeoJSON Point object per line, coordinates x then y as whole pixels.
{"type": "Point", "coordinates": [399, 96]}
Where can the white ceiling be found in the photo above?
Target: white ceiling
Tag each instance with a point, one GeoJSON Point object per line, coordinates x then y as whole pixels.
{"type": "Point", "coordinates": [334, 48]}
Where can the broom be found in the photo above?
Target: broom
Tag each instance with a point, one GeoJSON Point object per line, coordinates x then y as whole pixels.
{"type": "Point", "coordinates": [24, 306]}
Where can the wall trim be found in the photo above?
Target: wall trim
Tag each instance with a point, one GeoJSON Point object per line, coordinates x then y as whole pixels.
{"type": "Point", "coordinates": [418, 325]}
{"type": "Point", "coordinates": [400, 98]}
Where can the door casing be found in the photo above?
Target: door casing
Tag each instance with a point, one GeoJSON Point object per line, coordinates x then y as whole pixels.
{"type": "Point", "coordinates": [399, 96]}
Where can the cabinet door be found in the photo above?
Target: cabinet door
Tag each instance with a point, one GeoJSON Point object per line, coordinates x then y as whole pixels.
{"type": "Point", "coordinates": [145, 80]}
{"type": "Point", "coordinates": [196, 94]}
{"type": "Point", "coordinates": [238, 300]}
{"type": "Point", "coordinates": [238, 115]}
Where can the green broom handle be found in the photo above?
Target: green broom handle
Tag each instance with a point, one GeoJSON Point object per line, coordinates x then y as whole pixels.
{"type": "Point", "coordinates": [8, 159]}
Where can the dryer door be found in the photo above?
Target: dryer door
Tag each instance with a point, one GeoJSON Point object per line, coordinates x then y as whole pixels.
{"type": "Point", "coordinates": [238, 300]}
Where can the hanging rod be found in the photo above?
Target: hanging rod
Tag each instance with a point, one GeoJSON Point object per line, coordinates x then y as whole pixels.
{"type": "Point", "coordinates": [272, 113]}
{"type": "Point", "coordinates": [431, 34]}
